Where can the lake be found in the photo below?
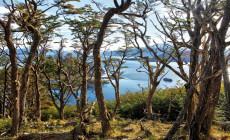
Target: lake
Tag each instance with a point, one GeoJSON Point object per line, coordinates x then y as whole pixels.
{"type": "Point", "coordinates": [135, 81]}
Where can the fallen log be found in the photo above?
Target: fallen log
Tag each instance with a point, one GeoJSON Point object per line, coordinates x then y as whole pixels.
{"type": "Point", "coordinates": [77, 134]}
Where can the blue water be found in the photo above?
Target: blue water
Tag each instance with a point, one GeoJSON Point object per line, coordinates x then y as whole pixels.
{"type": "Point", "coordinates": [135, 81]}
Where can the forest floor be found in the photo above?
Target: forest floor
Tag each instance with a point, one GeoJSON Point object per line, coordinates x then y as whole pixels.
{"type": "Point", "coordinates": [121, 129]}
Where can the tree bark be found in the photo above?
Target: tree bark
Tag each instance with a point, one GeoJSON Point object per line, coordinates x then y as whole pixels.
{"type": "Point", "coordinates": [190, 86]}
{"type": "Point", "coordinates": [61, 112]}
{"type": "Point", "coordinates": [209, 96]}
{"type": "Point", "coordinates": [5, 90]}
{"type": "Point", "coordinates": [117, 92]}
{"type": "Point", "coordinates": [191, 111]}
{"type": "Point", "coordinates": [99, 93]}
{"type": "Point", "coordinates": [14, 74]}
{"type": "Point", "coordinates": [97, 63]}
{"type": "Point", "coordinates": [84, 84]}
{"type": "Point", "coordinates": [38, 102]}
{"type": "Point", "coordinates": [170, 106]}
{"type": "Point", "coordinates": [214, 98]}
{"type": "Point", "coordinates": [25, 75]}
{"type": "Point", "coordinates": [220, 42]}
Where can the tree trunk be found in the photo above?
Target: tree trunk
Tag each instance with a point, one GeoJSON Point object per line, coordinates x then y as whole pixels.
{"type": "Point", "coordinates": [190, 85]}
{"type": "Point", "coordinates": [1, 105]}
{"type": "Point", "coordinates": [25, 75]}
{"type": "Point", "coordinates": [214, 98]}
{"type": "Point", "coordinates": [191, 111]}
{"type": "Point", "coordinates": [201, 110]}
{"type": "Point", "coordinates": [97, 62]}
{"type": "Point", "coordinates": [5, 90]}
{"type": "Point", "coordinates": [149, 101]}
{"type": "Point", "coordinates": [170, 106]}
{"type": "Point", "coordinates": [220, 42]}
{"type": "Point", "coordinates": [99, 93]}
{"type": "Point", "coordinates": [190, 90]}
{"type": "Point", "coordinates": [38, 102]}
{"type": "Point", "coordinates": [14, 93]}
{"type": "Point", "coordinates": [14, 75]}
{"type": "Point", "coordinates": [209, 95]}
{"type": "Point", "coordinates": [84, 84]}
{"type": "Point", "coordinates": [62, 106]}
{"type": "Point", "coordinates": [61, 113]}
{"type": "Point", "coordinates": [118, 100]}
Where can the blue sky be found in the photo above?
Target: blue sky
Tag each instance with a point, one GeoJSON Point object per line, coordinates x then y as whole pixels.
{"type": "Point", "coordinates": [67, 33]}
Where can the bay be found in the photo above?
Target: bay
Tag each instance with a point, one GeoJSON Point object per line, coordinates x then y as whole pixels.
{"type": "Point", "coordinates": [135, 81]}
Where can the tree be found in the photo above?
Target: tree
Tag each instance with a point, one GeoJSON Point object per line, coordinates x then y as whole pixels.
{"type": "Point", "coordinates": [97, 61]}
{"type": "Point", "coordinates": [210, 87]}
{"type": "Point", "coordinates": [84, 29]}
{"type": "Point", "coordinates": [113, 68]}
{"type": "Point", "coordinates": [139, 28]}
{"type": "Point", "coordinates": [28, 18]}
{"type": "Point", "coordinates": [59, 92]}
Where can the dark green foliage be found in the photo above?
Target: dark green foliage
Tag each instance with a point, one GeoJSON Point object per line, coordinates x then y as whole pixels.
{"type": "Point", "coordinates": [221, 112]}
{"type": "Point", "coordinates": [49, 113]}
{"type": "Point", "coordinates": [52, 113]}
{"type": "Point", "coordinates": [133, 104]}
{"type": "Point", "coordinates": [5, 124]}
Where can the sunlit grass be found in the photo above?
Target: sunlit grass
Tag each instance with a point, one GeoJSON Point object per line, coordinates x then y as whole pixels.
{"type": "Point", "coordinates": [120, 127]}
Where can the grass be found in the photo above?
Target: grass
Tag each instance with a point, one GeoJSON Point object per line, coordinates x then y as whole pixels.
{"type": "Point", "coordinates": [120, 128]}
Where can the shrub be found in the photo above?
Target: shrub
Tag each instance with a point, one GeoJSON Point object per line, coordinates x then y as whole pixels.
{"type": "Point", "coordinates": [221, 112]}
{"type": "Point", "coordinates": [52, 113]}
{"type": "Point", "coordinates": [70, 112]}
{"type": "Point", "coordinates": [5, 124]}
{"type": "Point", "coordinates": [133, 103]}
{"type": "Point", "coordinates": [49, 113]}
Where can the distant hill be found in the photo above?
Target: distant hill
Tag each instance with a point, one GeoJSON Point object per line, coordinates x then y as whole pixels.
{"type": "Point", "coordinates": [135, 53]}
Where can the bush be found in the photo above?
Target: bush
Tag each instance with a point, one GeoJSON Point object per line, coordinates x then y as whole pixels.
{"type": "Point", "coordinates": [133, 103]}
{"type": "Point", "coordinates": [52, 113]}
{"type": "Point", "coordinates": [70, 112]}
{"type": "Point", "coordinates": [49, 113]}
{"type": "Point", "coordinates": [221, 112]}
{"type": "Point", "coordinates": [5, 124]}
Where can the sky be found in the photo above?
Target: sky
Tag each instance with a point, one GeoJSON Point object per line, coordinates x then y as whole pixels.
{"type": "Point", "coordinates": [67, 33]}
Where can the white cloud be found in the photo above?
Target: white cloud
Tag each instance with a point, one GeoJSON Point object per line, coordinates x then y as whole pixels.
{"type": "Point", "coordinates": [3, 10]}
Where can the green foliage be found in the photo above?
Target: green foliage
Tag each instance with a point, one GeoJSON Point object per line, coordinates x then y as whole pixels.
{"type": "Point", "coordinates": [221, 111]}
{"type": "Point", "coordinates": [52, 113]}
{"type": "Point", "coordinates": [49, 113]}
{"type": "Point", "coordinates": [5, 124]}
{"type": "Point", "coordinates": [70, 112]}
{"type": "Point", "coordinates": [133, 103]}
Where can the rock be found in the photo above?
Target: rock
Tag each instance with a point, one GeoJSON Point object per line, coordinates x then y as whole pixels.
{"type": "Point", "coordinates": [225, 126]}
